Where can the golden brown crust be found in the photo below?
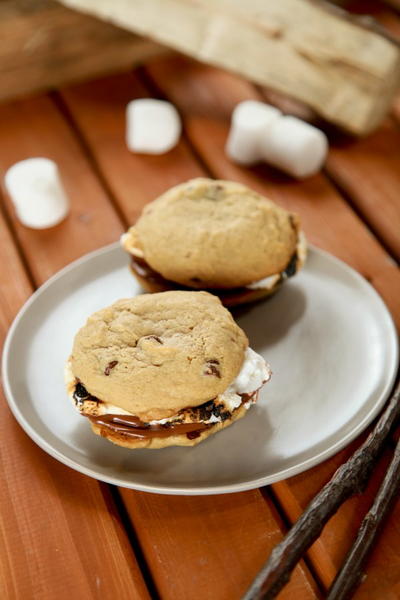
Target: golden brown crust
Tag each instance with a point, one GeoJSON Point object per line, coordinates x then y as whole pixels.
{"type": "Point", "coordinates": [215, 234]}
{"type": "Point", "coordinates": [173, 440]}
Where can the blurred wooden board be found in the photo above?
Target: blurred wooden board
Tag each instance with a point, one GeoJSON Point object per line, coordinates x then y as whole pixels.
{"type": "Point", "coordinates": [44, 45]}
{"type": "Point", "coordinates": [345, 69]}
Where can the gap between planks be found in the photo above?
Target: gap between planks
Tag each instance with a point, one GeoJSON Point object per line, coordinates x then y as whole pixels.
{"type": "Point", "coordinates": [134, 541]}
{"type": "Point", "coordinates": [21, 254]}
{"type": "Point", "coordinates": [68, 117]}
{"type": "Point", "coordinates": [155, 92]}
{"type": "Point", "coordinates": [374, 231]}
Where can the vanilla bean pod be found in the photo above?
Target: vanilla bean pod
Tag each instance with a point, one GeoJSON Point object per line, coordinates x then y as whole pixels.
{"type": "Point", "coordinates": [350, 478]}
{"type": "Point", "coordinates": [351, 572]}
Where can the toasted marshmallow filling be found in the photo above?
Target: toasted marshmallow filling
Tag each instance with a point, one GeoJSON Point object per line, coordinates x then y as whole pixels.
{"type": "Point", "coordinates": [253, 374]}
{"type": "Point", "coordinates": [129, 242]}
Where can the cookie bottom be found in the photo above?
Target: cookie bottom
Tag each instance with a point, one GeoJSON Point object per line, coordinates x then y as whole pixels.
{"type": "Point", "coordinates": [153, 283]}
{"type": "Point", "coordinates": [163, 442]}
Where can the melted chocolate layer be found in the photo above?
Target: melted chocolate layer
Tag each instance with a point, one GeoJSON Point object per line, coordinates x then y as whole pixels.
{"type": "Point", "coordinates": [133, 427]}
{"type": "Point", "coordinates": [157, 282]}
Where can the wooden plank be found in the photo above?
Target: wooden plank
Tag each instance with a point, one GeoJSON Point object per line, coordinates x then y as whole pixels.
{"type": "Point", "coordinates": [218, 544]}
{"type": "Point", "coordinates": [394, 3]}
{"type": "Point", "coordinates": [45, 44]}
{"type": "Point", "coordinates": [36, 128]}
{"type": "Point", "coordinates": [206, 97]}
{"type": "Point", "coordinates": [383, 568]}
{"type": "Point", "coordinates": [350, 81]}
{"type": "Point", "coordinates": [133, 179]}
{"type": "Point", "coordinates": [59, 532]}
{"type": "Point", "coordinates": [189, 552]}
{"type": "Point", "coordinates": [368, 171]}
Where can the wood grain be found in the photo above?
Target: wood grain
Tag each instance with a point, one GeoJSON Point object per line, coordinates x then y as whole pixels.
{"type": "Point", "coordinates": [196, 547]}
{"type": "Point", "coordinates": [36, 128]}
{"type": "Point", "coordinates": [369, 172]}
{"type": "Point", "coordinates": [59, 533]}
{"type": "Point", "coordinates": [45, 44]}
{"type": "Point", "coordinates": [133, 179]}
{"type": "Point", "coordinates": [218, 543]}
{"type": "Point", "coordinates": [327, 553]}
{"type": "Point", "coordinates": [206, 97]}
{"type": "Point", "coordinates": [350, 81]}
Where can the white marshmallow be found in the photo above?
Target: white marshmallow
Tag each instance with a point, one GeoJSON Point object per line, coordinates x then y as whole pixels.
{"type": "Point", "coordinates": [254, 372]}
{"type": "Point", "coordinates": [250, 122]}
{"type": "Point", "coordinates": [294, 146]}
{"type": "Point", "coordinates": [36, 190]}
{"type": "Point", "coordinates": [152, 126]}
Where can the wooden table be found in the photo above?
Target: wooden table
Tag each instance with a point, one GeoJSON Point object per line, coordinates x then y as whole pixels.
{"type": "Point", "coordinates": [64, 535]}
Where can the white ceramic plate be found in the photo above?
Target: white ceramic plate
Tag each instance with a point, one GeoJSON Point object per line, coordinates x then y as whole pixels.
{"type": "Point", "coordinates": [327, 334]}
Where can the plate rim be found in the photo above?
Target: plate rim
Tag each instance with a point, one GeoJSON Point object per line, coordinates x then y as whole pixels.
{"type": "Point", "coordinates": [194, 490]}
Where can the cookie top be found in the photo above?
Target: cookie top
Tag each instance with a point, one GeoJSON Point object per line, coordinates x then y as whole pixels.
{"type": "Point", "coordinates": [209, 233]}
{"type": "Point", "coordinates": [155, 354]}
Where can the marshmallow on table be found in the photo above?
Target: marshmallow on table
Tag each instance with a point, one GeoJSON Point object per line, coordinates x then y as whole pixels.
{"type": "Point", "coordinates": [294, 146]}
{"type": "Point", "coordinates": [250, 121]}
{"type": "Point", "coordinates": [260, 132]}
{"type": "Point", "coordinates": [152, 126]}
{"type": "Point", "coordinates": [37, 193]}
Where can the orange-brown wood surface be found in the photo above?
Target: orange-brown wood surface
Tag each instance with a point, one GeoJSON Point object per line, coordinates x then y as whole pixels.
{"type": "Point", "coordinates": [60, 535]}
{"type": "Point", "coordinates": [65, 535]}
{"type": "Point", "coordinates": [368, 171]}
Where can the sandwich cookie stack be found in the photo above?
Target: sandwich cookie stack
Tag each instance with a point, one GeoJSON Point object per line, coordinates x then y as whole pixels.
{"type": "Point", "coordinates": [215, 235]}
{"type": "Point", "coordinates": [163, 369]}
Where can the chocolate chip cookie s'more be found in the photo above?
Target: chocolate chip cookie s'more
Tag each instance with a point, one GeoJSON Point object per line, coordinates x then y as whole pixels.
{"type": "Point", "coordinates": [215, 235]}
{"type": "Point", "coordinates": [163, 369]}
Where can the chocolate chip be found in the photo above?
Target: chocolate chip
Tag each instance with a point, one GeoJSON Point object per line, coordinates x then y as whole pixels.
{"type": "Point", "coordinates": [154, 337]}
{"type": "Point", "coordinates": [81, 392]}
{"type": "Point", "coordinates": [224, 415]}
{"type": "Point", "coordinates": [292, 266]}
{"type": "Point", "coordinates": [213, 361]}
{"type": "Point", "coordinates": [205, 411]}
{"type": "Point", "coordinates": [110, 366]}
{"type": "Point", "coordinates": [192, 435]}
{"type": "Point", "coordinates": [211, 369]}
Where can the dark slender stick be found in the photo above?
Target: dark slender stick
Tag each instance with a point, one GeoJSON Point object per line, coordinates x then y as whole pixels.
{"type": "Point", "coordinates": [351, 478]}
{"type": "Point", "coordinates": [351, 572]}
